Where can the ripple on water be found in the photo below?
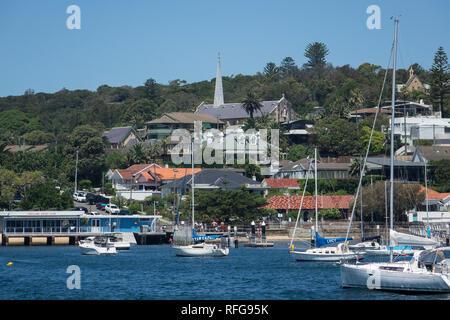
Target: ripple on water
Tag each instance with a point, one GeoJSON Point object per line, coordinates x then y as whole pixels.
{"type": "Point", "coordinates": [154, 272]}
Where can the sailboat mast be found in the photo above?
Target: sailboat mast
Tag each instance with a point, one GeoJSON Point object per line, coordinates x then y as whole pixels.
{"type": "Point", "coordinates": [192, 184]}
{"type": "Point", "coordinates": [361, 201]}
{"type": "Point", "coordinates": [315, 179]}
{"type": "Point", "coordinates": [392, 130]}
{"type": "Point", "coordinates": [426, 197]}
{"type": "Point", "coordinates": [386, 212]}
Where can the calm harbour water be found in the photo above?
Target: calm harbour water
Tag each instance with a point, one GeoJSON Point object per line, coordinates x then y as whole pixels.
{"type": "Point", "coordinates": [154, 272]}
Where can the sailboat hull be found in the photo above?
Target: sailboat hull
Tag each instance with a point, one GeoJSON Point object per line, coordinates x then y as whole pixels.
{"type": "Point", "coordinates": [370, 276]}
{"type": "Point", "coordinates": [200, 250]}
{"type": "Point", "coordinates": [305, 256]}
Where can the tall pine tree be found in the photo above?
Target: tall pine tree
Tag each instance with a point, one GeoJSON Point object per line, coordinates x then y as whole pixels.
{"type": "Point", "coordinates": [316, 53]}
{"type": "Point", "coordinates": [440, 82]}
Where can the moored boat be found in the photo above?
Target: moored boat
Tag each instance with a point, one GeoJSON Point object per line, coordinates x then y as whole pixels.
{"type": "Point", "coordinates": [327, 254]}
{"type": "Point", "coordinates": [186, 243]}
{"type": "Point", "coordinates": [323, 251]}
{"type": "Point", "coordinates": [119, 242]}
{"type": "Point", "coordinates": [426, 271]}
{"type": "Point", "coordinates": [99, 245]}
{"type": "Point", "coordinates": [200, 250]}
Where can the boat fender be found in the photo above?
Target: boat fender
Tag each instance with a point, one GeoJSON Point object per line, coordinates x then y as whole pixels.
{"type": "Point", "coordinates": [9, 264]}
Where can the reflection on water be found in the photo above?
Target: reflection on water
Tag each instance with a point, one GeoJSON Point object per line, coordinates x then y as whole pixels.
{"type": "Point", "coordinates": [154, 272]}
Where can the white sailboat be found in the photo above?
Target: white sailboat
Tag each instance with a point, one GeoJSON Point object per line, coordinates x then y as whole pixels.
{"type": "Point", "coordinates": [427, 271]}
{"type": "Point", "coordinates": [187, 243]}
{"type": "Point", "coordinates": [324, 254]}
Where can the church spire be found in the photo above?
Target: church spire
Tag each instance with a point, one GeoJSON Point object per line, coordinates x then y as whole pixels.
{"type": "Point", "coordinates": [218, 93]}
{"type": "Point", "coordinates": [411, 71]}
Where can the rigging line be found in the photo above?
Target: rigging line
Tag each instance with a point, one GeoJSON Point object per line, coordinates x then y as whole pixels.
{"type": "Point", "coordinates": [301, 203]}
{"type": "Point", "coordinates": [368, 146]}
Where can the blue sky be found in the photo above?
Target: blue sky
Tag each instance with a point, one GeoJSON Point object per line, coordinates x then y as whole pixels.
{"type": "Point", "coordinates": [127, 42]}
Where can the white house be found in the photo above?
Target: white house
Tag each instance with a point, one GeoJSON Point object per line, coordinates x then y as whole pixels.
{"type": "Point", "coordinates": [423, 128]}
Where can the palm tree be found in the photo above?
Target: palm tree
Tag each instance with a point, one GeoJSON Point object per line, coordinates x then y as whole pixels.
{"type": "Point", "coordinates": [137, 154]}
{"type": "Point", "coordinates": [155, 150]}
{"type": "Point", "coordinates": [355, 168]}
{"type": "Point", "coordinates": [251, 104]}
{"type": "Point", "coordinates": [356, 98]}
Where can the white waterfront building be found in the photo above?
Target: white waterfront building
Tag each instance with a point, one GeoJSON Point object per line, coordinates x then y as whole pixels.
{"type": "Point", "coordinates": [423, 128]}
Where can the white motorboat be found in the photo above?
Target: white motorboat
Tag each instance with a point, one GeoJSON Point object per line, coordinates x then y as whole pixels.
{"type": "Point", "coordinates": [328, 254]}
{"type": "Point", "coordinates": [200, 250]}
{"type": "Point", "coordinates": [121, 245]}
{"type": "Point", "coordinates": [97, 246]}
{"type": "Point", "coordinates": [119, 242]}
{"type": "Point", "coordinates": [426, 271]}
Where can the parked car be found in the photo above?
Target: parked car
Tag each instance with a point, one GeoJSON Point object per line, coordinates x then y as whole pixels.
{"type": "Point", "coordinates": [82, 209]}
{"type": "Point", "coordinates": [85, 210]}
{"type": "Point", "coordinates": [96, 198]}
{"type": "Point", "coordinates": [79, 196]}
{"type": "Point", "coordinates": [102, 199]}
{"type": "Point", "coordinates": [90, 198]}
{"type": "Point", "coordinates": [101, 206]}
{"type": "Point", "coordinates": [112, 209]}
{"type": "Point", "coordinates": [125, 212]}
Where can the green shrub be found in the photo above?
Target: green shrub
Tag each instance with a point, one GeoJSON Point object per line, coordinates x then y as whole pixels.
{"type": "Point", "coordinates": [85, 185]}
{"type": "Point", "coordinates": [119, 201]}
{"type": "Point", "coordinates": [134, 208]}
{"type": "Point", "coordinates": [109, 190]}
{"type": "Point", "coordinates": [331, 213]}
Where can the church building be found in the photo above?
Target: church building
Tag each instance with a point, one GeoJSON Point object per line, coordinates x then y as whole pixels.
{"type": "Point", "coordinates": [413, 83]}
{"type": "Point", "coordinates": [234, 114]}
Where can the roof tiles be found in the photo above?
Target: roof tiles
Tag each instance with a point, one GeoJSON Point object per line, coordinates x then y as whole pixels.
{"type": "Point", "coordinates": [323, 202]}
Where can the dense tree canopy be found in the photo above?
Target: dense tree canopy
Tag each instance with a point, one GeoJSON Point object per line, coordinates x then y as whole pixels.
{"type": "Point", "coordinates": [225, 205]}
{"type": "Point", "coordinates": [73, 120]}
{"type": "Point", "coordinates": [406, 197]}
